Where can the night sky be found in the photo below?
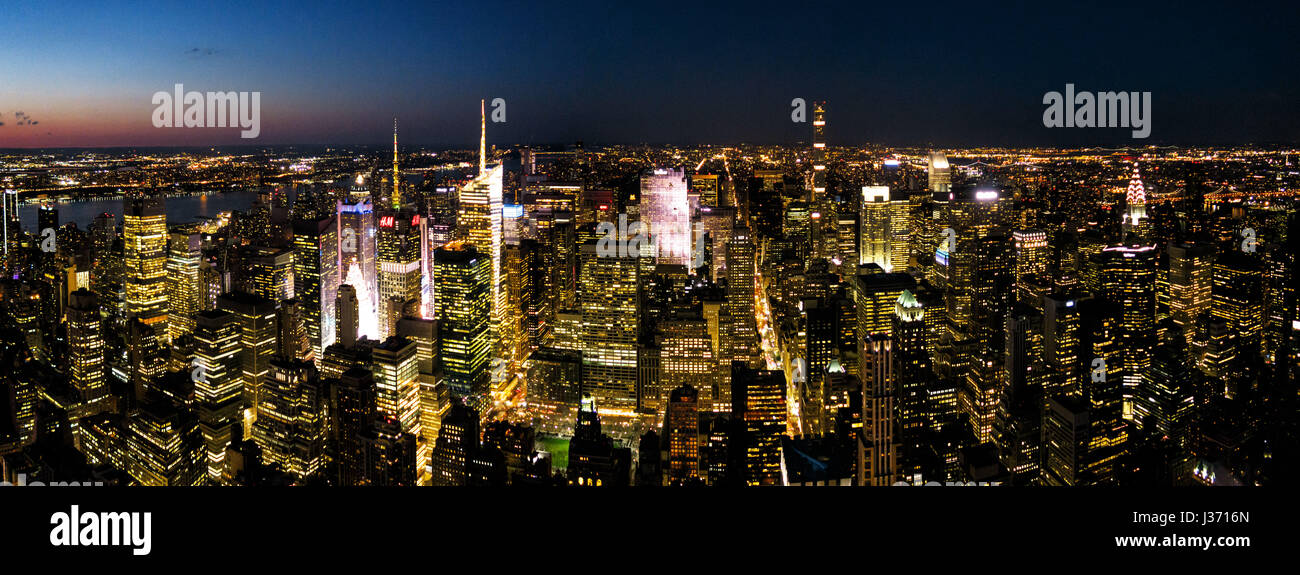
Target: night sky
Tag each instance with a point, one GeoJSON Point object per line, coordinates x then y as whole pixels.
{"type": "Point", "coordinates": [905, 73]}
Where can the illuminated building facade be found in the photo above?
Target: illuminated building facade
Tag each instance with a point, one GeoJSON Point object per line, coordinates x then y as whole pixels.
{"type": "Point", "coordinates": [819, 149]}
{"type": "Point", "coordinates": [291, 418]}
{"type": "Point", "coordinates": [462, 280]}
{"type": "Point", "coordinates": [758, 408]}
{"type": "Point", "coordinates": [480, 218]}
{"type": "Point", "coordinates": [876, 218]}
{"type": "Point", "coordinates": [218, 388]}
{"type": "Point", "coordinates": [877, 448]}
{"type": "Point", "coordinates": [609, 303]}
{"type": "Point", "coordinates": [1128, 279]}
{"type": "Point", "coordinates": [86, 349]}
{"type": "Point", "coordinates": [316, 278]}
{"type": "Point", "coordinates": [257, 340]}
{"type": "Point", "coordinates": [940, 173]}
{"type": "Point", "coordinates": [397, 392]}
{"type": "Point", "coordinates": [183, 255]}
{"type": "Point", "coordinates": [144, 233]}
{"type": "Point", "coordinates": [399, 267]}
{"type": "Point", "coordinates": [665, 208]}
{"type": "Point", "coordinates": [682, 426]}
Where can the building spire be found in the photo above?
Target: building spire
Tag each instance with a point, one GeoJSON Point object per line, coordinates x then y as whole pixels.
{"type": "Point", "coordinates": [397, 190]}
{"type": "Point", "coordinates": [482, 137]}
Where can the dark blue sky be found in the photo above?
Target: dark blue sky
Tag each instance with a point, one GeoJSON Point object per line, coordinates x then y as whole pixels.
{"type": "Point", "coordinates": [683, 72]}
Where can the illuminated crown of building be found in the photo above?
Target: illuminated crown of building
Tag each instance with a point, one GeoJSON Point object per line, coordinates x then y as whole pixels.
{"type": "Point", "coordinates": [1136, 191]}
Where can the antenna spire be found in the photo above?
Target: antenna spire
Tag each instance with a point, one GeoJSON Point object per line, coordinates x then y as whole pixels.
{"type": "Point", "coordinates": [397, 190]}
{"type": "Point", "coordinates": [482, 138]}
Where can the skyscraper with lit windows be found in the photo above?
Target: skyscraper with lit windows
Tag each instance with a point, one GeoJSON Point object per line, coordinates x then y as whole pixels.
{"type": "Point", "coordinates": [257, 340]}
{"type": "Point", "coordinates": [399, 267]}
{"type": "Point", "coordinates": [666, 209]}
{"type": "Point", "coordinates": [480, 218]}
{"type": "Point", "coordinates": [86, 349]}
{"type": "Point", "coordinates": [144, 233]}
{"type": "Point", "coordinates": [183, 256]}
{"type": "Point", "coordinates": [218, 385]}
{"type": "Point", "coordinates": [462, 284]}
{"type": "Point", "coordinates": [609, 303]}
{"type": "Point", "coordinates": [758, 409]}
{"type": "Point", "coordinates": [291, 418]}
{"type": "Point", "coordinates": [316, 278]}
{"type": "Point", "coordinates": [396, 367]}
{"type": "Point", "coordinates": [819, 150]}
{"type": "Point", "coordinates": [877, 447]}
{"type": "Point", "coordinates": [682, 426]}
{"type": "Point", "coordinates": [876, 218]}
{"type": "Point", "coordinates": [1128, 279]}
{"type": "Point", "coordinates": [356, 241]}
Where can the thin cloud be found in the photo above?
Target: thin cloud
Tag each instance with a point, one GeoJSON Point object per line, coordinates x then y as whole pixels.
{"type": "Point", "coordinates": [23, 119]}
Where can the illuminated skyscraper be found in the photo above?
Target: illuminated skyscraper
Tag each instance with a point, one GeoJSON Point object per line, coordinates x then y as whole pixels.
{"type": "Point", "coordinates": [458, 439]}
{"type": "Point", "coordinates": [269, 273]}
{"type": "Point", "coordinates": [1031, 253]}
{"type": "Point", "coordinates": [47, 217]}
{"type": "Point", "coordinates": [1237, 296]}
{"type": "Point", "coordinates": [316, 278]}
{"type": "Point", "coordinates": [940, 173]}
{"type": "Point", "coordinates": [182, 282]}
{"type": "Point", "coordinates": [685, 357]}
{"type": "Point", "coordinates": [900, 234]}
{"type": "Point", "coordinates": [819, 150]}
{"type": "Point", "coordinates": [682, 425]}
{"type": "Point", "coordinates": [357, 262]}
{"type": "Point", "coordinates": [18, 392]}
{"type": "Point", "coordinates": [912, 377]}
{"type": "Point", "coordinates": [396, 367]}
{"type": "Point", "coordinates": [146, 355]}
{"type": "Point", "coordinates": [758, 407]}
{"type": "Point", "coordinates": [608, 301]}
{"type": "Point", "coordinates": [847, 229]}
{"type": "Point", "coordinates": [291, 418]}
{"type": "Point", "coordinates": [86, 350]}
{"type": "Point", "coordinates": [352, 411]}
{"type": "Point", "coordinates": [554, 389]}
{"type": "Point", "coordinates": [875, 218]}
{"type": "Point", "coordinates": [397, 174]}
{"type": "Point", "coordinates": [480, 218]}
{"type": "Point", "coordinates": [1061, 345]}
{"type": "Point", "coordinates": [741, 333]}
{"type": "Point", "coordinates": [144, 231]}
{"type": "Point", "coordinates": [400, 281]}
{"type": "Point", "coordinates": [875, 296]}
{"type": "Point", "coordinates": [1191, 272]}
{"type": "Point", "coordinates": [10, 226]}
{"type": "Point", "coordinates": [390, 455]}
{"type": "Point", "coordinates": [1128, 278]}
{"type": "Point", "coordinates": [706, 187]}
{"type": "Point", "coordinates": [257, 340]}
{"type": "Point", "coordinates": [666, 209]}
{"type": "Point", "coordinates": [218, 388]}
{"type": "Point", "coordinates": [164, 445]}
{"type": "Point", "coordinates": [877, 448]}
{"type": "Point", "coordinates": [462, 280]}
{"type": "Point", "coordinates": [1136, 201]}
{"type": "Point", "coordinates": [1167, 398]}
